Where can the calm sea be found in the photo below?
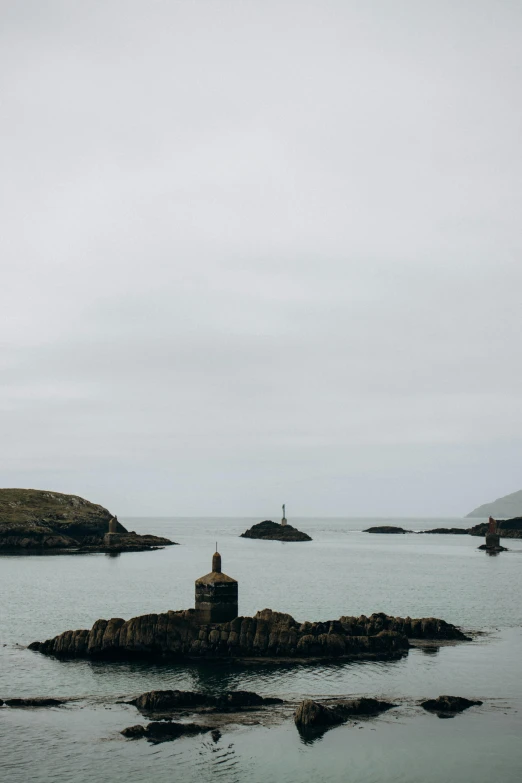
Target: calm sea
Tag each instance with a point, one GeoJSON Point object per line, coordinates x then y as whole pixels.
{"type": "Point", "coordinates": [343, 571]}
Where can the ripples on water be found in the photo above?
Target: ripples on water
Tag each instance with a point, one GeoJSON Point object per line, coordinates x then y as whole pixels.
{"type": "Point", "coordinates": [342, 571]}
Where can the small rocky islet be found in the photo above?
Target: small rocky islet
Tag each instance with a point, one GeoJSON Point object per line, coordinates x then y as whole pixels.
{"type": "Point", "coordinates": [43, 521]}
{"type": "Point", "coordinates": [274, 531]}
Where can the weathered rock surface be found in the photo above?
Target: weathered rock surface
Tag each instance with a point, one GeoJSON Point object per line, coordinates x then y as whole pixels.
{"type": "Point", "coordinates": [33, 519]}
{"type": "Point", "coordinates": [449, 704]}
{"type": "Point", "coordinates": [311, 713]}
{"type": "Point", "coordinates": [268, 635]}
{"type": "Point", "coordinates": [38, 701]}
{"type": "Point", "coordinates": [161, 702]}
{"type": "Point", "coordinates": [386, 529]}
{"type": "Point", "coordinates": [163, 732]}
{"type": "Point", "coordinates": [273, 531]}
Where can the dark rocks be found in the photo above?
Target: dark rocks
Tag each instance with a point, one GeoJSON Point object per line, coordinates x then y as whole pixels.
{"type": "Point", "coordinates": [164, 732]}
{"type": "Point", "coordinates": [386, 529]}
{"type": "Point", "coordinates": [36, 520]}
{"type": "Point", "coordinates": [311, 714]}
{"type": "Point", "coordinates": [449, 531]}
{"type": "Point", "coordinates": [155, 702]}
{"type": "Point", "coordinates": [34, 702]}
{"type": "Point", "coordinates": [449, 704]}
{"type": "Point", "coordinates": [273, 531]}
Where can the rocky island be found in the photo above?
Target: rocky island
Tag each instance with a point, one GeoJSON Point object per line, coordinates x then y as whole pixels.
{"type": "Point", "coordinates": [268, 635]}
{"type": "Point", "coordinates": [273, 531]}
{"type": "Point", "coordinates": [213, 631]}
{"type": "Point", "coordinates": [37, 520]}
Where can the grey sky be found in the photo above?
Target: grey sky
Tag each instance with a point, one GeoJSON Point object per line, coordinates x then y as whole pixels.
{"type": "Point", "coordinates": [256, 252]}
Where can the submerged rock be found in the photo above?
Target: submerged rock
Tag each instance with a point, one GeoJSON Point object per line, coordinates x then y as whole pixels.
{"type": "Point", "coordinates": [449, 704]}
{"type": "Point", "coordinates": [38, 701]}
{"type": "Point", "coordinates": [386, 529]}
{"type": "Point", "coordinates": [269, 635]}
{"type": "Point", "coordinates": [164, 731]}
{"type": "Point", "coordinates": [273, 531]}
{"type": "Point", "coordinates": [33, 519]}
{"type": "Point", "coordinates": [311, 713]}
{"type": "Point", "coordinates": [154, 702]}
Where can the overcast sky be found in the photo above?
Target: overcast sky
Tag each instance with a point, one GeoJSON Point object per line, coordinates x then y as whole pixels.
{"type": "Point", "coordinates": [261, 252]}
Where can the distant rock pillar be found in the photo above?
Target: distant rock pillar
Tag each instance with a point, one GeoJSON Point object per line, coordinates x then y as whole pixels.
{"type": "Point", "coordinates": [492, 536]}
{"type": "Point", "coordinates": [216, 596]}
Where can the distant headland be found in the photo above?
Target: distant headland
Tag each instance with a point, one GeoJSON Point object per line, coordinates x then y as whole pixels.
{"type": "Point", "coordinates": [506, 507]}
{"type": "Point", "coordinates": [38, 520]}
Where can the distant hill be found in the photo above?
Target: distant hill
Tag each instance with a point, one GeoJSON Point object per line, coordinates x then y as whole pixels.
{"type": "Point", "coordinates": [502, 508]}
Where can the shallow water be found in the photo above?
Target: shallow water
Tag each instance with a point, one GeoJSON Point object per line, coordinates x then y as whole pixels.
{"type": "Point", "coordinates": [342, 571]}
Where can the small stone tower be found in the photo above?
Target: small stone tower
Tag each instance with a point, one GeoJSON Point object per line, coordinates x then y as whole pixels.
{"type": "Point", "coordinates": [492, 536]}
{"type": "Point", "coordinates": [283, 520]}
{"type": "Point", "coordinates": [216, 595]}
{"type": "Point", "coordinates": [111, 536]}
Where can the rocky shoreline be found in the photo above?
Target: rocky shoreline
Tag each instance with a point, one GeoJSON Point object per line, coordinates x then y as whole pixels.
{"type": "Point", "coordinates": [34, 520]}
{"type": "Point", "coordinates": [269, 636]}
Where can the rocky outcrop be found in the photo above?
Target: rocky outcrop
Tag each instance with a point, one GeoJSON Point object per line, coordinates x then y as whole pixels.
{"type": "Point", "coordinates": [449, 531]}
{"type": "Point", "coordinates": [268, 635]}
{"type": "Point", "coordinates": [163, 732]}
{"type": "Point", "coordinates": [273, 531]}
{"type": "Point", "coordinates": [386, 529]}
{"type": "Point", "coordinates": [162, 702]}
{"type": "Point", "coordinates": [311, 714]}
{"type": "Point", "coordinates": [33, 519]}
{"type": "Point", "coordinates": [449, 704]}
{"type": "Point", "coordinates": [431, 628]}
{"type": "Point", "coordinates": [506, 528]}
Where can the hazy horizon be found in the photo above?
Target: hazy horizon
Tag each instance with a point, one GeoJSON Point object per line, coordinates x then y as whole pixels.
{"type": "Point", "coordinates": [262, 252]}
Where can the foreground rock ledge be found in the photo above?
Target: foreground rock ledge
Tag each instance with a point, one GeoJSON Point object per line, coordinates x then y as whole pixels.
{"type": "Point", "coordinates": [155, 703]}
{"type": "Point", "coordinates": [449, 704]}
{"type": "Point", "coordinates": [267, 636]}
{"type": "Point", "coordinates": [164, 732]}
{"type": "Point", "coordinates": [38, 520]}
{"type": "Point", "coordinates": [310, 714]}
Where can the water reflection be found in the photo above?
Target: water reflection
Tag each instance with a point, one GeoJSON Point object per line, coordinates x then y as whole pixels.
{"type": "Point", "coordinates": [432, 650]}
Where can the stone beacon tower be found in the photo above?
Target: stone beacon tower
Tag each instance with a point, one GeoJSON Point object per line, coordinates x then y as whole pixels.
{"type": "Point", "coordinates": [216, 595]}
{"type": "Point", "coordinates": [111, 536]}
{"type": "Point", "coordinates": [283, 520]}
{"type": "Point", "coordinates": [492, 536]}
